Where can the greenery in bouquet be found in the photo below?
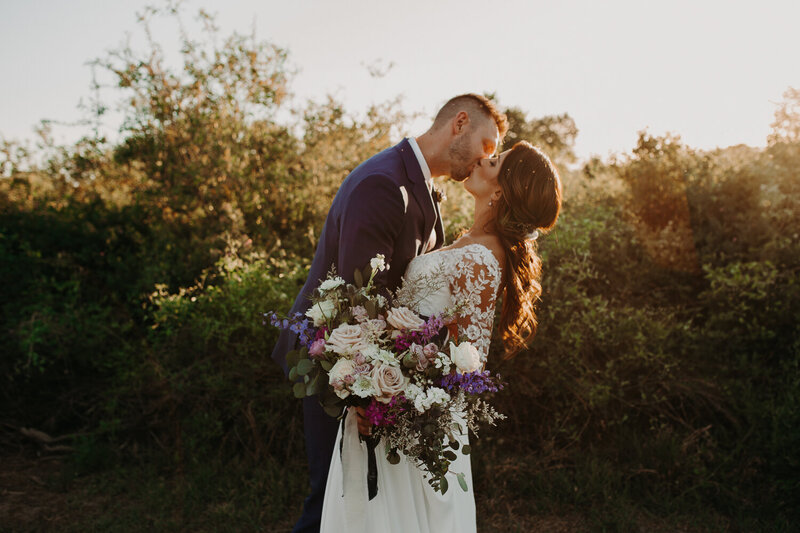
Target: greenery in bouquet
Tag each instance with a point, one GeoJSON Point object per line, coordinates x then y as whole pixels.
{"type": "Point", "coordinates": [419, 387]}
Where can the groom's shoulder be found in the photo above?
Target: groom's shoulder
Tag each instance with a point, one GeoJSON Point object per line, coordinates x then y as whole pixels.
{"type": "Point", "coordinates": [388, 163]}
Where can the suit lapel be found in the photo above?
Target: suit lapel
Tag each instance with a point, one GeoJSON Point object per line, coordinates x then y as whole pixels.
{"type": "Point", "coordinates": [419, 190]}
{"type": "Point", "coordinates": [439, 227]}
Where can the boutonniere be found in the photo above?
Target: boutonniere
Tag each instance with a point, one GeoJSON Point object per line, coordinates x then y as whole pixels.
{"type": "Point", "coordinates": [438, 196]}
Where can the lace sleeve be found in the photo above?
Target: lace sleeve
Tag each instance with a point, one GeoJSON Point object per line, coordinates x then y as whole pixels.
{"type": "Point", "coordinates": [475, 282]}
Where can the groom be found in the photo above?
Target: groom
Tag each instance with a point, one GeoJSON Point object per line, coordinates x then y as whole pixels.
{"type": "Point", "coordinates": [385, 207]}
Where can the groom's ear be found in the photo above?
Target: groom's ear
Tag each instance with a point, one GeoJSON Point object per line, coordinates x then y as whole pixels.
{"type": "Point", "coordinates": [460, 122]}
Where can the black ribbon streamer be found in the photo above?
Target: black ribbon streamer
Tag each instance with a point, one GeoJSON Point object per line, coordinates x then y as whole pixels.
{"type": "Point", "coordinates": [372, 467]}
{"type": "Point", "coordinates": [372, 463]}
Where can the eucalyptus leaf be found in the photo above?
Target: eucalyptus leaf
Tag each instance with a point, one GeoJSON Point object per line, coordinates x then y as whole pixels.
{"type": "Point", "coordinates": [332, 410]}
{"type": "Point", "coordinates": [327, 398]}
{"type": "Point", "coordinates": [315, 385]}
{"type": "Point", "coordinates": [326, 365]}
{"type": "Point", "coordinates": [304, 366]}
{"type": "Point", "coordinates": [293, 374]}
{"type": "Point", "coordinates": [443, 484]}
{"type": "Point", "coordinates": [449, 455]}
{"type": "Point", "coordinates": [466, 450]}
{"type": "Point", "coordinates": [367, 272]}
{"type": "Point", "coordinates": [393, 457]}
{"type": "Point", "coordinates": [299, 390]}
{"type": "Point", "coordinates": [359, 279]}
{"type": "Point", "coordinates": [462, 482]}
{"type": "Point", "coordinates": [372, 311]}
{"type": "Point", "coordinates": [292, 357]}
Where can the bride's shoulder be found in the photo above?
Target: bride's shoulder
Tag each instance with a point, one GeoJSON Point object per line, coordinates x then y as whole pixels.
{"type": "Point", "coordinates": [482, 245]}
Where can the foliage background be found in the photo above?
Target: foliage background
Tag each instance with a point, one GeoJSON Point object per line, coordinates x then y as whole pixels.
{"type": "Point", "coordinates": [662, 385]}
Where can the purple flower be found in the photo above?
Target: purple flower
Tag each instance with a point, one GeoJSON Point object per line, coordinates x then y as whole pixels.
{"type": "Point", "coordinates": [385, 414]}
{"type": "Point", "coordinates": [421, 336]}
{"type": "Point", "coordinates": [272, 318]}
{"type": "Point", "coordinates": [297, 324]}
{"type": "Point", "coordinates": [472, 382]}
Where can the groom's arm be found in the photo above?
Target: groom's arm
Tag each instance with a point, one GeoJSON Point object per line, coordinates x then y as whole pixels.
{"type": "Point", "coordinates": [369, 225]}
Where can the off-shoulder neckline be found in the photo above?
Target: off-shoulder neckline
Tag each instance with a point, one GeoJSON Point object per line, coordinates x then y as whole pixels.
{"type": "Point", "coordinates": [470, 245]}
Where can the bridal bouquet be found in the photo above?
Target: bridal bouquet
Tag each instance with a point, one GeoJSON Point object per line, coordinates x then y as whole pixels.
{"type": "Point", "coordinates": [418, 388]}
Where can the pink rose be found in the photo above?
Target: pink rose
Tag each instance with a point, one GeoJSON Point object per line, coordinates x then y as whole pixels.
{"type": "Point", "coordinates": [431, 351]}
{"type": "Point", "coordinates": [360, 313]}
{"type": "Point", "coordinates": [340, 375]}
{"type": "Point", "coordinates": [389, 381]}
{"type": "Point", "coordinates": [404, 318]}
{"type": "Point", "coordinates": [345, 340]}
{"type": "Point", "coordinates": [317, 348]}
{"type": "Point", "coordinates": [362, 369]}
{"type": "Point", "coordinates": [374, 327]}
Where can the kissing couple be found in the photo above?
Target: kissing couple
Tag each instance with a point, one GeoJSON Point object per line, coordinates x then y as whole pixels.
{"type": "Point", "coordinates": [388, 206]}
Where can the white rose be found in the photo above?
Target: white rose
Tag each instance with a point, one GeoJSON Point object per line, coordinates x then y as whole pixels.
{"type": "Point", "coordinates": [336, 377]}
{"type": "Point", "coordinates": [321, 311]}
{"type": "Point", "coordinates": [329, 284]}
{"type": "Point", "coordinates": [345, 340]}
{"type": "Point", "coordinates": [404, 318]}
{"type": "Point", "coordinates": [466, 357]}
{"type": "Point", "coordinates": [389, 381]}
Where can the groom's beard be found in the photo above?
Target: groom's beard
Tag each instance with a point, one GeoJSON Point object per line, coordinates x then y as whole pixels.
{"type": "Point", "coordinates": [459, 155]}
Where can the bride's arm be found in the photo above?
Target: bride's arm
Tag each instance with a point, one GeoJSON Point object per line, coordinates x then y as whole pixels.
{"type": "Point", "coordinates": [475, 282]}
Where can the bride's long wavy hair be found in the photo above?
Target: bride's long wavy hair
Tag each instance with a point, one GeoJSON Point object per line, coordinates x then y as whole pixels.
{"type": "Point", "coordinates": [530, 203]}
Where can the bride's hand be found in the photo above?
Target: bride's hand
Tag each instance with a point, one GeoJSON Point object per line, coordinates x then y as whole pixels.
{"type": "Point", "coordinates": [364, 426]}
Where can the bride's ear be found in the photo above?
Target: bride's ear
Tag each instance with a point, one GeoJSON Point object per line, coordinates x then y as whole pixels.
{"type": "Point", "coordinates": [497, 194]}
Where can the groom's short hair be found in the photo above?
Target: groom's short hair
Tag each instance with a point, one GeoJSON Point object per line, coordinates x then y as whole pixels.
{"type": "Point", "coordinates": [471, 102]}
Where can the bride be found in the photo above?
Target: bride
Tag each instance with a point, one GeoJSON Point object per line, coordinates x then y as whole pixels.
{"type": "Point", "coordinates": [517, 194]}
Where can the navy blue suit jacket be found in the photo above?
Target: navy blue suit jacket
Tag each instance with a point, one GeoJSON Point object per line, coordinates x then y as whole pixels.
{"type": "Point", "coordinates": [382, 207]}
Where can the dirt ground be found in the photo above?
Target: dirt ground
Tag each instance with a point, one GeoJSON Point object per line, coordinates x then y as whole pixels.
{"type": "Point", "coordinates": [38, 494]}
{"type": "Point", "coordinates": [30, 498]}
{"type": "Point", "coordinates": [35, 497]}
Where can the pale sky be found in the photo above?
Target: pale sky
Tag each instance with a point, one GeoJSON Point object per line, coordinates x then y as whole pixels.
{"type": "Point", "coordinates": [710, 71]}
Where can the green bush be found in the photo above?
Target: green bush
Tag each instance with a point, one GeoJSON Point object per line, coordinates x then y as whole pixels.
{"type": "Point", "coordinates": [206, 384]}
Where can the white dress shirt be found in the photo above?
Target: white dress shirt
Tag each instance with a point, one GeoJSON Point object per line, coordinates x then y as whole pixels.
{"type": "Point", "coordinates": [426, 171]}
{"type": "Point", "coordinates": [422, 163]}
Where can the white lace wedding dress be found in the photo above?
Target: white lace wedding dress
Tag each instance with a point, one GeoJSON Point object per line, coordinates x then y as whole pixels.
{"type": "Point", "coordinates": [405, 502]}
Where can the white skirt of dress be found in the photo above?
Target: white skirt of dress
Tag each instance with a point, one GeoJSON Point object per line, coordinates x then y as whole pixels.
{"type": "Point", "coordinates": [405, 503]}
